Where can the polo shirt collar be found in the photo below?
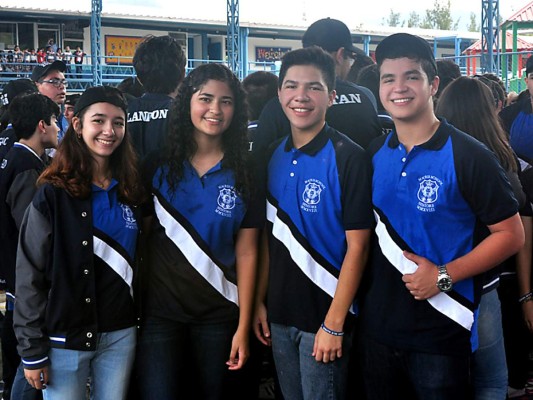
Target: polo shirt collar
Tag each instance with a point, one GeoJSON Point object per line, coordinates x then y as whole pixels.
{"type": "Point", "coordinates": [315, 145]}
{"type": "Point", "coordinates": [436, 142]}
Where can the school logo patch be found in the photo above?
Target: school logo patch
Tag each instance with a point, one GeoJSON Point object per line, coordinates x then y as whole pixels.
{"type": "Point", "coordinates": [127, 214]}
{"type": "Point", "coordinates": [428, 193]}
{"type": "Point", "coordinates": [226, 200]}
{"type": "Point", "coordinates": [311, 195]}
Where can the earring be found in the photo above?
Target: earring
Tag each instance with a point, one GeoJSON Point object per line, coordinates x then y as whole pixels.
{"type": "Point", "coordinates": [79, 135]}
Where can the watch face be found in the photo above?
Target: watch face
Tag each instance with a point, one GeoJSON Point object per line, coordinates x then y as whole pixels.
{"type": "Point", "coordinates": [444, 284]}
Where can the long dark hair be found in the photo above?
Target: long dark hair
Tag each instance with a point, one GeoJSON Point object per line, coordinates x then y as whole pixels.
{"type": "Point", "coordinates": [468, 105]}
{"type": "Point", "coordinates": [72, 167]}
{"type": "Point", "coordinates": [181, 145]}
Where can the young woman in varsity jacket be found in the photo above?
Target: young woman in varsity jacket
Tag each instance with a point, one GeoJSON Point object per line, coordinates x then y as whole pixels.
{"type": "Point", "coordinates": [75, 316]}
{"type": "Point", "coordinates": [203, 243]}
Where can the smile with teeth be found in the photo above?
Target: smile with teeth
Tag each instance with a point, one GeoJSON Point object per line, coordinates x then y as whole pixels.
{"type": "Point", "coordinates": [297, 109]}
{"type": "Point", "coordinates": [105, 142]}
{"type": "Point", "coordinates": [401, 100]}
{"type": "Point", "coordinates": [214, 120]}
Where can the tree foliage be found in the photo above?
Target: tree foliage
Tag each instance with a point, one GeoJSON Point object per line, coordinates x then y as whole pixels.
{"type": "Point", "coordinates": [473, 26]}
{"type": "Point", "coordinates": [393, 19]}
{"type": "Point", "coordinates": [438, 17]}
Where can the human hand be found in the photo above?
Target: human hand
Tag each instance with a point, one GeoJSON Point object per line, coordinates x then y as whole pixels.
{"type": "Point", "coordinates": [422, 284]}
{"type": "Point", "coordinates": [327, 347]}
{"type": "Point", "coordinates": [260, 325]}
{"type": "Point", "coordinates": [240, 350]}
{"type": "Point", "coordinates": [37, 378]}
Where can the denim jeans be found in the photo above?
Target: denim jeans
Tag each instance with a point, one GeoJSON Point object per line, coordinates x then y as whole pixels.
{"type": "Point", "coordinates": [172, 357]}
{"type": "Point", "coordinates": [300, 375]}
{"type": "Point", "coordinates": [489, 367]}
{"type": "Point", "coordinates": [108, 367]}
{"type": "Point", "coordinates": [392, 374]}
{"type": "Point", "coordinates": [21, 389]}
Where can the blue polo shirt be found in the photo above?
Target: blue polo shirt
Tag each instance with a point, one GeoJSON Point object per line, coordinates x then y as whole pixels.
{"type": "Point", "coordinates": [115, 232]}
{"type": "Point", "coordinates": [192, 247]}
{"type": "Point", "coordinates": [315, 194]}
{"type": "Point", "coordinates": [435, 201]}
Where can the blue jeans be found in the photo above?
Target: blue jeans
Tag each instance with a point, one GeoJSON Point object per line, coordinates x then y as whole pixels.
{"type": "Point", "coordinates": [108, 367]}
{"type": "Point", "coordinates": [300, 375]}
{"type": "Point", "coordinates": [169, 350]}
{"type": "Point", "coordinates": [489, 367]}
{"type": "Point", "coordinates": [391, 374]}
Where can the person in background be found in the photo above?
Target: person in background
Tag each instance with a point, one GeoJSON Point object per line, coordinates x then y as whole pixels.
{"type": "Point", "coordinates": [260, 88]}
{"type": "Point", "coordinates": [361, 61]}
{"type": "Point", "coordinates": [74, 316]}
{"type": "Point", "coordinates": [34, 122]}
{"type": "Point", "coordinates": [448, 71]}
{"type": "Point", "coordinates": [50, 81]}
{"type": "Point", "coordinates": [70, 104]}
{"type": "Point", "coordinates": [159, 63]}
{"type": "Point", "coordinates": [67, 59]}
{"type": "Point", "coordinates": [131, 87]}
{"type": "Point", "coordinates": [11, 90]}
{"type": "Point", "coordinates": [518, 119]}
{"type": "Point", "coordinates": [79, 56]}
{"type": "Point", "coordinates": [369, 77]}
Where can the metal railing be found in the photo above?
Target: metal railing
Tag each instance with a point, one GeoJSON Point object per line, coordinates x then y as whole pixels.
{"type": "Point", "coordinates": [115, 69]}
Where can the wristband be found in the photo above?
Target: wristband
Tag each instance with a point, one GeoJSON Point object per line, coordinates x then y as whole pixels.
{"type": "Point", "coordinates": [334, 333]}
{"type": "Point", "coordinates": [526, 297]}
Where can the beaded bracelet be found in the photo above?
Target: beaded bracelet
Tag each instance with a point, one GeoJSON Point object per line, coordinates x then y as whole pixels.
{"type": "Point", "coordinates": [526, 297]}
{"type": "Point", "coordinates": [334, 333]}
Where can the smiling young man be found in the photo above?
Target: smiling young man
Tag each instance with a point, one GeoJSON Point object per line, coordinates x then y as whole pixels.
{"type": "Point", "coordinates": [319, 221]}
{"type": "Point", "coordinates": [445, 213]}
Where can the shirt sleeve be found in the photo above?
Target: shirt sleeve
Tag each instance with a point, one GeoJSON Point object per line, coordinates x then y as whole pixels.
{"type": "Point", "coordinates": [356, 182]}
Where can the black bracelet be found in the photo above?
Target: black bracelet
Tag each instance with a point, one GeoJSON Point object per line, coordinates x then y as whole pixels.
{"type": "Point", "coordinates": [334, 333]}
{"type": "Point", "coordinates": [526, 297]}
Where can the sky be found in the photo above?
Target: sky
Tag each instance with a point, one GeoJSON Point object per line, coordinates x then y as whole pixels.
{"type": "Point", "coordinates": [285, 12]}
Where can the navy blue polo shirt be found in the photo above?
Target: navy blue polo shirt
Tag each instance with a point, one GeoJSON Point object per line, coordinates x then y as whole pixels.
{"type": "Point", "coordinates": [435, 201]}
{"type": "Point", "coordinates": [192, 271]}
{"type": "Point", "coordinates": [115, 232]}
{"type": "Point", "coordinates": [315, 194]}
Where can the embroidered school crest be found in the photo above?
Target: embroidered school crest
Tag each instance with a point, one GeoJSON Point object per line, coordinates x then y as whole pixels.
{"type": "Point", "coordinates": [311, 195]}
{"type": "Point", "coordinates": [128, 216]}
{"type": "Point", "coordinates": [428, 192]}
{"type": "Point", "coordinates": [227, 199]}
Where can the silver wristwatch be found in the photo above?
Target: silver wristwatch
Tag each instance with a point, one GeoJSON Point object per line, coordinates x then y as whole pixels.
{"type": "Point", "coordinates": [444, 280]}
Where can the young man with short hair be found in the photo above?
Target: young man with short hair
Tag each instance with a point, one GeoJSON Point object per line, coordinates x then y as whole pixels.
{"type": "Point", "coordinates": [34, 121]}
{"type": "Point", "coordinates": [353, 110]}
{"type": "Point", "coordinates": [445, 214]}
{"type": "Point", "coordinates": [319, 220]}
{"type": "Point", "coordinates": [50, 81]}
